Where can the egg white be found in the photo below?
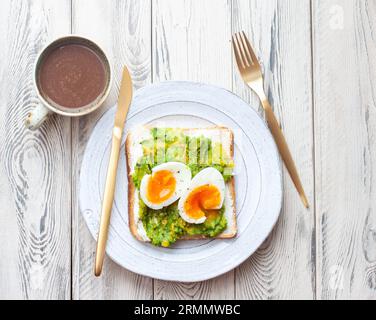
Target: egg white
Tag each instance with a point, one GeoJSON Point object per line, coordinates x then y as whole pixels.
{"type": "Point", "coordinates": [207, 176]}
{"type": "Point", "coordinates": [182, 175]}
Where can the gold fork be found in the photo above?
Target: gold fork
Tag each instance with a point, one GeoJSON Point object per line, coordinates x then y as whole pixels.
{"type": "Point", "coordinates": [250, 71]}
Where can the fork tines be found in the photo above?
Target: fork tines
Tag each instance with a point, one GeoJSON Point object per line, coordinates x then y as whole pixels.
{"type": "Point", "coordinates": [244, 54]}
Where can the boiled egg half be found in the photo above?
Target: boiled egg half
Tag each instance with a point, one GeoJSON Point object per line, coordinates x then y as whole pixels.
{"type": "Point", "coordinates": [205, 193]}
{"type": "Point", "coordinates": [165, 185]}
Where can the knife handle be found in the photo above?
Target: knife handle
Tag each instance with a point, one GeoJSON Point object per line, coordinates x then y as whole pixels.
{"type": "Point", "coordinates": [108, 199]}
{"type": "Point", "coordinates": [284, 149]}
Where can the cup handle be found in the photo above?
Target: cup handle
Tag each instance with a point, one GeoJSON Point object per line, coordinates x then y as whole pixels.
{"type": "Point", "coordinates": [36, 117]}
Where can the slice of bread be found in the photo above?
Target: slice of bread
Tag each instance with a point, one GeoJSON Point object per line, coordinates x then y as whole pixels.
{"type": "Point", "coordinates": [133, 151]}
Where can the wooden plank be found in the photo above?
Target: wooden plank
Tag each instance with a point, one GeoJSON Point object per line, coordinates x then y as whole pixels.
{"type": "Point", "coordinates": [284, 267]}
{"type": "Point", "coordinates": [191, 42]}
{"type": "Point", "coordinates": [122, 28]}
{"type": "Point", "coordinates": [34, 166]}
{"type": "Point", "coordinates": [345, 127]}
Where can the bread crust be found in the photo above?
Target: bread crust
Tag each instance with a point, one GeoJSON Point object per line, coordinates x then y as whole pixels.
{"type": "Point", "coordinates": [132, 190]}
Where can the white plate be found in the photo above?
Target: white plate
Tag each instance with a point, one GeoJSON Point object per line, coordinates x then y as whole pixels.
{"type": "Point", "coordinates": [258, 181]}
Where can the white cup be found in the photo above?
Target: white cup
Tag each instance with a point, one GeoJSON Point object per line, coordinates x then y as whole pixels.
{"type": "Point", "coordinates": [40, 112]}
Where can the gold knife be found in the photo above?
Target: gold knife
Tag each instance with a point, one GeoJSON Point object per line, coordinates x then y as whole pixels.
{"type": "Point", "coordinates": [124, 101]}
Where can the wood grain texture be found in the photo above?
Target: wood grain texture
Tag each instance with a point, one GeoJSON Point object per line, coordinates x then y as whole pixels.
{"type": "Point", "coordinates": [191, 42]}
{"type": "Point", "coordinates": [345, 128]}
{"type": "Point", "coordinates": [122, 28]}
{"type": "Point", "coordinates": [34, 166]}
{"type": "Point", "coordinates": [284, 267]}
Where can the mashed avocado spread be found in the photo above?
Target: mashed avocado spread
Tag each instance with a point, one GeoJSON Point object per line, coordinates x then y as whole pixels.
{"type": "Point", "coordinates": [165, 226]}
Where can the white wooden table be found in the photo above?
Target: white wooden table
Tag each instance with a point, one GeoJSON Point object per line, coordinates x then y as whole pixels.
{"type": "Point", "coordinates": [320, 66]}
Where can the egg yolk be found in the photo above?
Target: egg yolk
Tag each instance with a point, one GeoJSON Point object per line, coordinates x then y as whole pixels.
{"type": "Point", "coordinates": [161, 186]}
{"type": "Point", "coordinates": [202, 199]}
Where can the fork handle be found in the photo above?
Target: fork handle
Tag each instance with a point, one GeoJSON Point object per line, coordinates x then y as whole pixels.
{"type": "Point", "coordinates": [284, 149]}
